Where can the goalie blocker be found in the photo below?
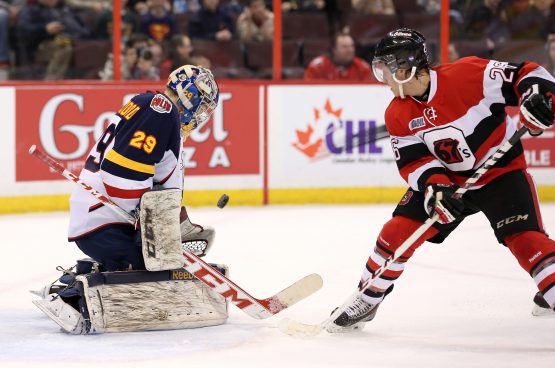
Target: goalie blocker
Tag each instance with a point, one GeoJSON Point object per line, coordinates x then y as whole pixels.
{"type": "Point", "coordinates": [135, 301]}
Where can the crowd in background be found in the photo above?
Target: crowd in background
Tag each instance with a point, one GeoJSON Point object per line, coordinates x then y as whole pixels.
{"type": "Point", "coordinates": [69, 39]}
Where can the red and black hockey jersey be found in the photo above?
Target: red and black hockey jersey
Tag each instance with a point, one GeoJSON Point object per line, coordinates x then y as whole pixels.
{"type": "Point", "coordinates": [462, 123]}
{"type": "Point", "coordinates": [140, 149]}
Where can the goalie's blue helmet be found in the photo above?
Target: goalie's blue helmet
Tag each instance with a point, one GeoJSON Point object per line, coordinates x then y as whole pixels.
{"type": "Point", "coordinates": [197, 95]}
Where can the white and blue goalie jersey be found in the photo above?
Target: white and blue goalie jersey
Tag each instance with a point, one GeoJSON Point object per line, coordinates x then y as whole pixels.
{"type": "Point", "coordinates": [140, 149]}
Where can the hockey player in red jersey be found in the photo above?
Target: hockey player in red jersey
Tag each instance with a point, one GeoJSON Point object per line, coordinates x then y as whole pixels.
{"type": "Point", "coordinates": [444, 122]}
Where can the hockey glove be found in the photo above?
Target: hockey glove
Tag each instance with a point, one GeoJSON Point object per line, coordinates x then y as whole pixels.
{"type": "Point", "coordinates": [439, 198]}
{"type": "Point", "coordinates": [536, 110]}
{"type": "Point", "coordinates": [195, 238]}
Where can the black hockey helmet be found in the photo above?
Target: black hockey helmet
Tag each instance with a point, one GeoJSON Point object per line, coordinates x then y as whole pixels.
{"type": "Point", "coordinates": [404, 48]}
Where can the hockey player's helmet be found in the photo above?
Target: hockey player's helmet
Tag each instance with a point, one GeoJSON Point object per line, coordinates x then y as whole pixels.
{"type": "Point", "coordinates": [197, 93]}
{"type": "Point", "coordinates": [401, 49]}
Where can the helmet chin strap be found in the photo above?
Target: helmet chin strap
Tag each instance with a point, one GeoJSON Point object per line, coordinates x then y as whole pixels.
{"type": "Point", "coordinates": [400, 83]}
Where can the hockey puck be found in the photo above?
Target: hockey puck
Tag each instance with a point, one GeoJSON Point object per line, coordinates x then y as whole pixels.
{"type": "Point", "coordinates": [223, 200]}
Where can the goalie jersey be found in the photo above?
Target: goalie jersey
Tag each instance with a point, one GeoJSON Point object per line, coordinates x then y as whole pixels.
{"type": "Point", "coordinates": [444, 138]}
{"type": "Point", "coordinates": [140, 149]}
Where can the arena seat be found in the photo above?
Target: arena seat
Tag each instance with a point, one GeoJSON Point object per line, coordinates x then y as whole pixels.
{"type": "Point", "coordinates": [227, 58]}
{"type": "Point", "coordinates": [364, 27]}
{"type": "Point", "coordinates": [89, 57]}
{"type": "Point", "coordinates": [424, 23]}
{"type": "Point", "coordinates": [259, 58]}
{"type": "Point", "coordinates": [304, 25]}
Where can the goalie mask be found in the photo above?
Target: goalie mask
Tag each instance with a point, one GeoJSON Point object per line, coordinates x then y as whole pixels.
{"type": "Point", "coordinates": [403, 49]}
{"type": "Point", "coordinates": [197, 93]}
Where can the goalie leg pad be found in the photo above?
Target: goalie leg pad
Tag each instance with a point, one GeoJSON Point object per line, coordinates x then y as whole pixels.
{"type": "Point", "coordinates": [160, 229]}
{"type": "Point", "coordinates": [140, 301]}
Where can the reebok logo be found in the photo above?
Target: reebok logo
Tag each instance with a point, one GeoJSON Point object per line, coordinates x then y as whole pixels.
{"type": "Point", "coordinates": [535, 256]}
{"type": "Point", "coordinates": [511, 219]}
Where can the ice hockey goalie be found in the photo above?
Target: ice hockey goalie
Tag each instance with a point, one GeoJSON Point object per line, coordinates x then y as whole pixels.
{"type": "Point", "coordinates": [87, 299]}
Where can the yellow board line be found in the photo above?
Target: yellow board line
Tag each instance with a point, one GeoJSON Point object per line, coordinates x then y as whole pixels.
{"type": "Point", "coordinates": [244, 197]}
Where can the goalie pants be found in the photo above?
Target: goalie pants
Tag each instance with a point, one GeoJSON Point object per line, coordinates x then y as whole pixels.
{"type": "Point", "coordinates": [115, 247]}
{"type": "Point", "coordinates": [511, 206]}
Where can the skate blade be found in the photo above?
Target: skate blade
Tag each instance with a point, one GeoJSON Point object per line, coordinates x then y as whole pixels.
{"type": "Point", "coordinates": [542, 312]}
{"type": "Point", "coordinates": [333, 328]}
{"type": "Point", "coordinates": [294, 328]}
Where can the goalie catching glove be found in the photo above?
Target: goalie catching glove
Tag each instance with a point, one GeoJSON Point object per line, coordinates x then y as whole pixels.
{"type": "Point", "coordinates": [438, 198]}
{"type": "Point", "coordinates": [195, 238]}
{"type": "Point", "coordinates": [536, 110]}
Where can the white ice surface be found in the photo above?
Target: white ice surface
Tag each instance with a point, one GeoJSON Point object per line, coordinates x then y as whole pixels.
{"type": "Point", "coordinates": [465, 303]}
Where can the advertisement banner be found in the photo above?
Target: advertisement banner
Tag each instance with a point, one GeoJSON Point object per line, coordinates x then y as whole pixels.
{"type": "Point", "coordinates": [324, 136]}
{"type": "Point", "coordinates": [66, 121]}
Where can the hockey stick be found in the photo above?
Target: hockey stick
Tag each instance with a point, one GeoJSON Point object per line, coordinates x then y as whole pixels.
{"type": "Point", "coordinates": [256, 308]}
{"type": "Point", "coordinates": [294, 328]}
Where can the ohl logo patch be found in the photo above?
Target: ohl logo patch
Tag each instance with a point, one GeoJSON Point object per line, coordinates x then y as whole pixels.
{"type": "Point", "coordinates": [331, 134]}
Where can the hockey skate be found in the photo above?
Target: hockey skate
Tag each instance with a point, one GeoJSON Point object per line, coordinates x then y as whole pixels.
{"type": "Point", "coordinates": [354, 317]}
{"type": "Point", "coordinates": [541, 308]}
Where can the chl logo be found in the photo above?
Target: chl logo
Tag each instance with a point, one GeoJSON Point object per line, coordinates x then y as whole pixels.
{"type": "Point", "coordinates": [512, 219]}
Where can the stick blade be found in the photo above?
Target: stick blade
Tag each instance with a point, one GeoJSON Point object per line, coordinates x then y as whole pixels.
{"type": "Point", "coordinates": [294, 328]}
{"type": "Point", "coordinates": [301, 289]}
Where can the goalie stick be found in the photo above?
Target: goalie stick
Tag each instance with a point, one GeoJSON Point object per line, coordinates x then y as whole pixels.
{"type": "Point", "coordinates": [295, 328]}
{"type": "Point", "coordinates": [256, 308]}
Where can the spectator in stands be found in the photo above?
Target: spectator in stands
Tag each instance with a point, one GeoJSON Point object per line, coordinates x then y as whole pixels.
{"type": "Point", "coordinates": [129, 58]}
{"type": "Point", "coordinates": [550, 49]}
{"type": "Point", "coordinates": [256, 23]}
{"type": "Point", "coordinates": [181, 53]}
{"type": "Point", "coordinates": [485, 21]}
{"type": "Point", "coordinates": [6, 12]}
{"type": "Point", "coordinates": [138, 6]}
{"type": "Point", "coordinates": [158, 23]}
{"type": "Point", "coordinates": [46, 30]}
{"type": "Point", "coordinates": [211, 22]}
{"type": "Point", "coordinates": [303, 5]}
{"type": "Point", "coordinates": [97, 6]}
{"type": "Point", "coordinates": [341, 64]}
{"type": "Point", "coordinates": [103, 27]}
{"type": "Point", "coordinates": [373, 6]}
{"type": "Point", "coordinates": [527, 19]}
{"type": "Point", "coordinates": [145, 68]}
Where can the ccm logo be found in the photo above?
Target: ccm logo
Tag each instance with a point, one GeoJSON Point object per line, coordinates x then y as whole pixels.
{"type": "Point", "coordinates": [511, 219]}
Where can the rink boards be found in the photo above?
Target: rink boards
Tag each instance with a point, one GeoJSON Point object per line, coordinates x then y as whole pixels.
{"type": "Point", "coordinates": [266, 143]}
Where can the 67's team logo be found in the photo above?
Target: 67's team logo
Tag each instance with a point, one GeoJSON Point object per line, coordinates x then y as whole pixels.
{"type": "Point", "coordinates": [448, 150]}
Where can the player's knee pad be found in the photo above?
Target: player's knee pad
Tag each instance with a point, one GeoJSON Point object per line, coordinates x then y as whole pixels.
{"type": "Point", "coordinates": [397, 230]}
{"type": "Point", "coordinates": [137, 301]}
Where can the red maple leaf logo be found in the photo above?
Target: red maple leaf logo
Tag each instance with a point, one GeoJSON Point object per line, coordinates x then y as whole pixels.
{"type": "Point", "coordinates": [303, 142]}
